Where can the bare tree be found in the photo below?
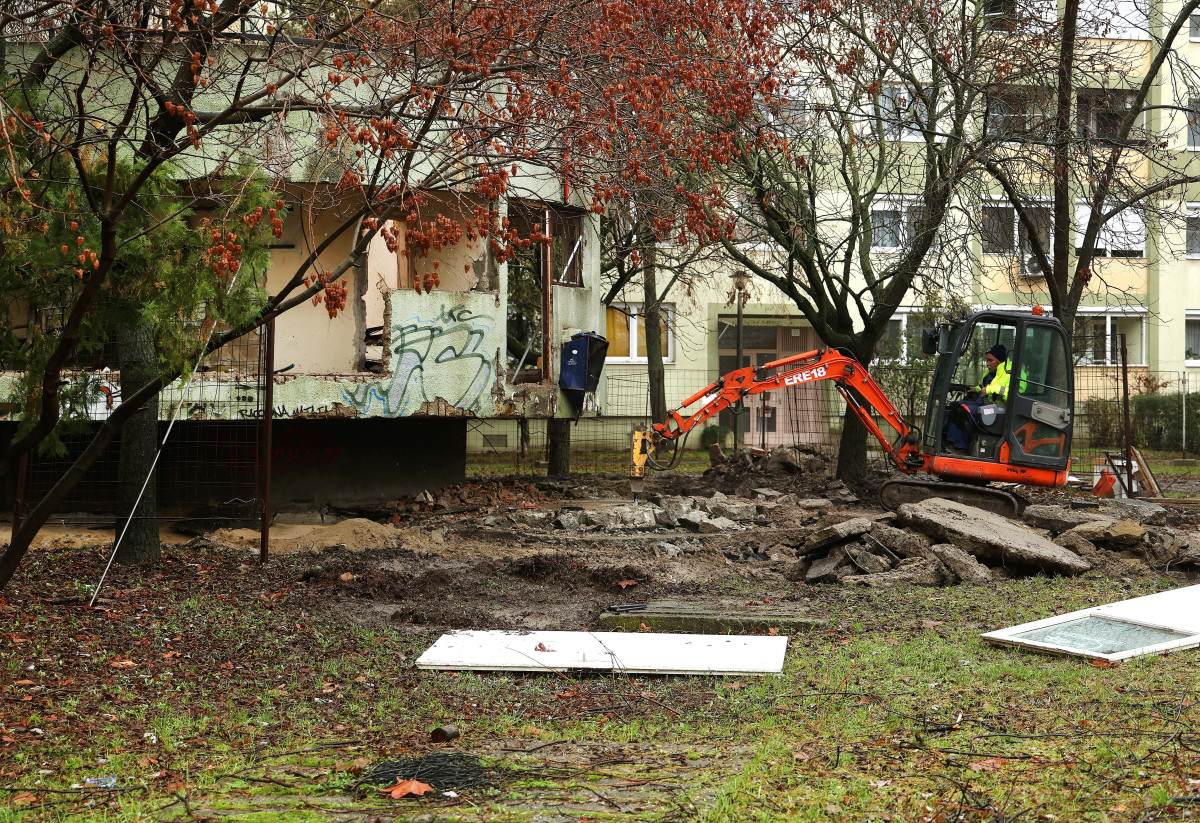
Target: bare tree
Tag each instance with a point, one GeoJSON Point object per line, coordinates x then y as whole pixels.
{"type": "Point", "coordinates": [149, 151]}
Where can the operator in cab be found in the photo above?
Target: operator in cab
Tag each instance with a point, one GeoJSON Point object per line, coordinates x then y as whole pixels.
{"type": "Point", "coordinates": [992, 389]}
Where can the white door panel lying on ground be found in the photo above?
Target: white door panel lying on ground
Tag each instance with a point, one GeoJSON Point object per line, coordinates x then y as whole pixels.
{"type": "Point", "coordinates": [638, 653]}
{"type": "Point", "coordinates": [1117, 631]}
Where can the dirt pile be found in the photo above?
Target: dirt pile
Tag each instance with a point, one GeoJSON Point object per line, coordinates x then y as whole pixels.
{"type": "Point", "coordinates": [355, 534]}
{"type": "Point", "coordinates": [787, 467]}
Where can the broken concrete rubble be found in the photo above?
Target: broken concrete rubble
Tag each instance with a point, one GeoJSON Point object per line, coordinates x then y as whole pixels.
{"type": "Point", "coordinates": [965, 567]}
{"type": "Point", "coordinates": [1059, 519]}
{"type": "Point", "coordinates": [915, 571]}
{"type": "Point", "coordinates": [825, 570]}
{"type": "Point", "coordinates": [990, 536]}
{"type": "Point", "coordinates": [1117, 534]}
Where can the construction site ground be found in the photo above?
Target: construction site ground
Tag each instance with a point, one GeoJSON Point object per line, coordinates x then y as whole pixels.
{"type": "Point", "coordinates": [210, 687]}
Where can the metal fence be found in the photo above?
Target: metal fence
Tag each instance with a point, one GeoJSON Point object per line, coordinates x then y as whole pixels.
{"type": "Point", "coordinates": [1117, 405]}
{"type": "Point", "coordinates": [210, 466]}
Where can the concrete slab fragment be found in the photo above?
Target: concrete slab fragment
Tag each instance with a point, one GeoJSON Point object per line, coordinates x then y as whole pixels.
{"type": "Point", "coordinates": [965, 567]}
{"type": "Point", "coordinates": [634, 653]}
{"type": "Point", "coordinates": [989, 535]}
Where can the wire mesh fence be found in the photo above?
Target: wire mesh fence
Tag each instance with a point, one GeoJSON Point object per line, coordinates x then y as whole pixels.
{"type": "Point", "coordinates": [209, 466]}
{"type": "Point", "coordinates": [1163, 420]}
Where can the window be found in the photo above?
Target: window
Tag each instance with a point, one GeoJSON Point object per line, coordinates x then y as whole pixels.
{"type": "Point", "coordinates": [999, 230]}
{"type": "Point", "coordinates": [902, 112]}
{"type": "Point", "coordinates": [1192, 339]}
{"type": "Point", "coordinates": [1124, 235]}
{"type": "Point", "coordinates": [1114, 19]}
{"type": "Point", "coordinates": [1098, 339]}
{"type": "Point", "coordinates": [1194, 28]}
{"type": "Point", "coordinates": [1042, 218]}
{"type": "Point", "coordinates": [626, 332]}
{"type": "Point", "coordinates": [566, 250]}
{"type": "Point", "coordinates": [892, 346]}
{"type": "Point", "coordinates": [1007, 115]}
{"type": "Point", "coordinates": [999, 13]}
{"type": "Point", "coordinates": [1014, 113]}
{"type": "Point", "coordinates": [1193, 230]}
{"type": "Point", "coordinates": [791, 103]}
{"type": "Point", "coordinates": [894, 224]}
{"type": "Point", "coordinates": [1002, 233]}
{"type": "Point", "coordinates": [1102, 112]}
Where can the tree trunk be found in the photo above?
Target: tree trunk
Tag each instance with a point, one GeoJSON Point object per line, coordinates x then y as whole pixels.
{"type": "Point", "coordinates": [558, 433]}
{"type": "Point", "coordinates": [654, 354]}
{"type": "Point", "coordinates": [139, 444]}
{"type": "Point", "coordinates": [852, 450]}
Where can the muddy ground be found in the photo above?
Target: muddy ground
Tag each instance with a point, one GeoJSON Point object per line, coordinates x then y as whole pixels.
{"type": "Point", "coordinates": [497, 555]}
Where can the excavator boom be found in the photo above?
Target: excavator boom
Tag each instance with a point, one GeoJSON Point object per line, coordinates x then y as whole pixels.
{"type": "Point", "coordinates": [850, 378]}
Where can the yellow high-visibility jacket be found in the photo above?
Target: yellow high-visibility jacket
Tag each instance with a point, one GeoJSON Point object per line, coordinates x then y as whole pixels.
{"type": "Point", "coordinates": [994, 388]}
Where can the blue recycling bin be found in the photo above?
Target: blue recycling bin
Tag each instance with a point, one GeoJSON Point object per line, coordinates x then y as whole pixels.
{"type": "Point", "coordinates": [581, 365]}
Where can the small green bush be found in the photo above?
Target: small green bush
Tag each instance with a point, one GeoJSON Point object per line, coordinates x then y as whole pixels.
{"type": "Point", "coordinates": [714, 434]}
{"type": "Point", "coordinates": [1156, 420]}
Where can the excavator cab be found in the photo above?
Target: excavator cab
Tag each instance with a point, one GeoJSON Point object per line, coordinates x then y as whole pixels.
{"type": "Point", "coordinates": [1022, 436]}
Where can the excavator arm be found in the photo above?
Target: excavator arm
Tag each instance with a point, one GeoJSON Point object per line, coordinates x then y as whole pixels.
{"type": "Point", "coordinates": [851, 379]}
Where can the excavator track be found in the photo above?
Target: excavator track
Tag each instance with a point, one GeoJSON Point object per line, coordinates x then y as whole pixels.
{"type": "Point", "coordinates": [896, 493]}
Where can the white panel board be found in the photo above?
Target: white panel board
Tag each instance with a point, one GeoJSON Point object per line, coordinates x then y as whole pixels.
{"type": "Point", "coordinates": [1172, 618]}
{"type": "Point", "coordinates": [634, 652]}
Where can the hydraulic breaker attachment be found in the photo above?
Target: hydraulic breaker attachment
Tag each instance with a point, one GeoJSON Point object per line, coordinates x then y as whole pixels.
{"type": "Point", "coordinates": [643, 448]}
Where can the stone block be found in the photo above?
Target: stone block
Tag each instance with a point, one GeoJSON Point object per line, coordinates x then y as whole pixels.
{"type": "Point", "coordinates": [962, 565]}
{"type": "Point", "coordinates": [1059, 518]}
{"type": "Point", "coordinates": [825, 569]}
{"type": "Point", "coordinates": [1111, 534]}
{"type": "Point", "coordinates": [916, 571]}
{"type": "Point", "coordinates": [988, 535]}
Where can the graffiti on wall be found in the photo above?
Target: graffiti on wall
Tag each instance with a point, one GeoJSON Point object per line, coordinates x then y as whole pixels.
{"type": "Point", "coordinates": [445, 357]}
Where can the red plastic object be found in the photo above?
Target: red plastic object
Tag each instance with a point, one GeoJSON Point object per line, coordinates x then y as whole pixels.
{"type": "Point", "coordinates": [1104, 487]}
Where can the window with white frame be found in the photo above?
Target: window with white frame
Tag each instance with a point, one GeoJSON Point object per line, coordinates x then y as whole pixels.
{"type": "Point", "coordinates": [1122, 235]}
{"type": "Point", "coordinates": [895, 223]}
{"type": "Point", "coordinates": [1001, 232]}
{"type": "Point", "coordinates": [1191, 342]}
{"type": "Point", "coordinates": [1192, 231]}
{"type": "Point", "coordinates": [893, 346]}
{"type": "Point", "coordinates": [1101, 112]}
{"type": "Point", "coordinates": [791, 103]}
{"type": "Point", "coordinates": [1114, 19]}
{"type": "Point", "coordinates": [1098, 338]}
{"type": "Point", "coordinates": [902, 112]}
{"type": "Point", "coordinates": [626, 331]}
{"type": "Point", "coordinates": [1194, 28]}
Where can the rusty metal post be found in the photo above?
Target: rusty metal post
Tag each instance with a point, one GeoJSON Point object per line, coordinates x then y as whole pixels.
{"type": "Point", "coordinates": [1128, 425]}
{"type": "Point", "coordinates": [19, 497]}
{"type": "Point", "coordinates": [265, 444]}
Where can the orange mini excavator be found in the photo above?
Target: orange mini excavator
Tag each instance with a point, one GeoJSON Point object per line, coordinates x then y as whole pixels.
{"type": "Point", "coordinates": [1023, 438]}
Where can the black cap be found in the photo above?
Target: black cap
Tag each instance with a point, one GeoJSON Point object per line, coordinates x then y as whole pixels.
{"type": "Point", "coordinates": [999, 352]}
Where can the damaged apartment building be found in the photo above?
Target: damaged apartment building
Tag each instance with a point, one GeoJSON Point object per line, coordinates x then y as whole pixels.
{"type": "Point", "coordinates": [375, 402]}
{"type": "Point", "coordinates": [384, 392]}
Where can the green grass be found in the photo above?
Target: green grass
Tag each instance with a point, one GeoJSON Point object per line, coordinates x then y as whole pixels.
{"type": "Point", "coordinates": [898, 711]}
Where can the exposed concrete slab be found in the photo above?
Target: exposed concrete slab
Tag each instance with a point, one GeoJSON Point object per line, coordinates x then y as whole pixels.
{"type": "Point", "coordinates": [988, 535]}
{"type": "Point", "coordinates": [1059, 518]}
{"type": "Point", "coordinates": [706, 617]}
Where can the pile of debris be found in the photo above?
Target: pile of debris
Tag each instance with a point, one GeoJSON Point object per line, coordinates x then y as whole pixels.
{"type": "Point", "coordinates": [939, 542]}
{"type": "Point", "coordinates": [750, 468]}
